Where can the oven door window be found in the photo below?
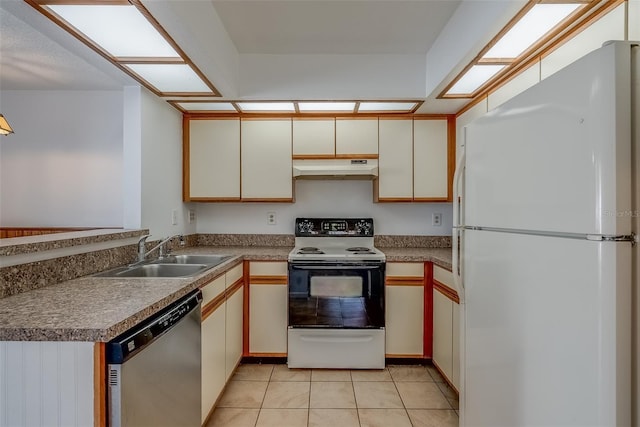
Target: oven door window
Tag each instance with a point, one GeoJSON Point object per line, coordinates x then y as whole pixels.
{"type": "Point", "coordinates": [335, 286]}
{"type": "Point", "coordinates": [336, 298]}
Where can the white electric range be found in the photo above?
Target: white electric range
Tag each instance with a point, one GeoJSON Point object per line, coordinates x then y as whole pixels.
{"type": "Point", "coordinates": [336, 295]}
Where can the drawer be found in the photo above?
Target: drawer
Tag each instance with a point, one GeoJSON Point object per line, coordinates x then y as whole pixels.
{"type": "Point", "coordinates": [268, 268]}
{"type": "Point", "coordinates": [443, 276]}
{"type": "Point", "coordinates": [411, 269]}
{"type": "Point", "coordinates": [234, 275]}
{"type": "Point", "coordinates": [213, 289]}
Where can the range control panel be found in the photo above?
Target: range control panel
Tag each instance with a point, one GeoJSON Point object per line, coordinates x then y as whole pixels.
{"type": "Point", "coordinates": [342, 227]}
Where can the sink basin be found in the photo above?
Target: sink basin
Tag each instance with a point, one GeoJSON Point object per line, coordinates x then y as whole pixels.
{"type": "Point", "coordinates": [209, 260]}
{"type": "Point", "coordinates": [156, 270]}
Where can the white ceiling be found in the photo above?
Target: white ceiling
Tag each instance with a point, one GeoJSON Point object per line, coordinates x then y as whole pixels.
{"type": "Point", "coordinates": [274, 49]}
{"type": "Point", "coordinates": [334, 27]}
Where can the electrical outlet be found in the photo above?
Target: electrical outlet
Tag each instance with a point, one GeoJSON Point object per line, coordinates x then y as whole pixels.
{"type": "Point", "coordinates": [436, 219]}
{"type": "Point", "coordinates": [192, 216]}
{"type": "Point", "coordinates": [271, 218]}
{"type": "Point", "coordinates": [174, 217]}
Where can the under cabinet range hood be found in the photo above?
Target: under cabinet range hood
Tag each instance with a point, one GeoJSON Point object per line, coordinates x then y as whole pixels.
{"type": "Point", "coordinates": [335, 169]}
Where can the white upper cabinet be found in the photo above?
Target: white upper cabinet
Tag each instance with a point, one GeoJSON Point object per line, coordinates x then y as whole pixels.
{"type": "Point", "coordinates": [430, 160]}
{"type": "Point", "coordinates": [214, 159]}
{"type": "Point", "coordinates": [395, 159]}
{"type": "Point", "coordinates": [314, 137]}
{"type": "Point", "coordinates": [266, 159]}
{"type": "Point", "coordinates": [356, 137]}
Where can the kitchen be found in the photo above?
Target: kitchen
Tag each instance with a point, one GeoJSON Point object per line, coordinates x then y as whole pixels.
{"type": "Point", "coordinates": [147, 162]}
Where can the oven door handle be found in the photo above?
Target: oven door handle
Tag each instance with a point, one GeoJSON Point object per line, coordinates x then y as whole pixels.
{"type": "Point", "coordinates": [336, 267]}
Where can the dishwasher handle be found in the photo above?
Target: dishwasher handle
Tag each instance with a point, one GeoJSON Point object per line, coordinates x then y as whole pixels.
{"type": "Point", "coordinates": [128, 344]}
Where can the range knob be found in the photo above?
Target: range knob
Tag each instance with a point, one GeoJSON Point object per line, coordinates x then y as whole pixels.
{"type": "Point", "coordinates": [305, 227]}
{"type": "Point", "coordinates": [363, 228]}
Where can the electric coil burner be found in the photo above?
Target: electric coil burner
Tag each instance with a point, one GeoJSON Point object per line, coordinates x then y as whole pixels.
{"type": "Point", "coordinates": [336, 295]}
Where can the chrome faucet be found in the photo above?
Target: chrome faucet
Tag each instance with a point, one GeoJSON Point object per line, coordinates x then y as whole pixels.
{"type": "Point", "coordinates": [142, 255]}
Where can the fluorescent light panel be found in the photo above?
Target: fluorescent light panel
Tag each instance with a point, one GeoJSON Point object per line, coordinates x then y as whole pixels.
{"type": "Point", "coordinates": [475, 77]}
{"type": "Point", "coordinates": [170, 77]}
{"type": "Point", "coordinates": [386, 106]}
{"type": "Point", "coordinates": [326, 106]}
{"type": "Point", "coordinates": [267, 106]}
{"type": "Point", "coordinates": [540, 19]}
{"type": "Point", "coordinates": [120, 30]}
{"type": "Point", "coordinates": [207, 106]}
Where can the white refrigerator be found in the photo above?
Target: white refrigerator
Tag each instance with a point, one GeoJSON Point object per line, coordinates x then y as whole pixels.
{"type": "Point", "coordinates": [546, 216]}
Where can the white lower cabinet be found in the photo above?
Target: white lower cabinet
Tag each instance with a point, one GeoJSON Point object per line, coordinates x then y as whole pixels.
{"type": "Point", "coordinates": [446, 327]}
{"type": "Point", "coordinates": [233, 337]}
{"type": "Point", "coordinates": [222, 327]}
{"type": "Point", "coordinates": [268, 308]}
{"type": "Point", "coordinates": [404, 310]}
{"type": "Point", "coordinates": [213, 359]}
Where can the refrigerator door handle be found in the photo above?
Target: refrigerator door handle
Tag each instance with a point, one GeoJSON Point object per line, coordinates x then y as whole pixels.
{"type": "Point", "coordinates": [458, 232]}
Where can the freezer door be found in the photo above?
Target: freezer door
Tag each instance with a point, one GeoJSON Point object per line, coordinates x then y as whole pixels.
{"type": "Point", "coordinates": [546, 331]}
{"type": "Point", "coordinates": [557, 157]}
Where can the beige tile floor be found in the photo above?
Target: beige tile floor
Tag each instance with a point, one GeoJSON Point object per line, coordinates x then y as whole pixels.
{"type": "Point", "coordinates": [398, 396]}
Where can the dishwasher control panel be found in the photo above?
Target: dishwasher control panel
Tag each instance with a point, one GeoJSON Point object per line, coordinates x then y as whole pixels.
{"type": "Point", "coordinates": [131, 342]}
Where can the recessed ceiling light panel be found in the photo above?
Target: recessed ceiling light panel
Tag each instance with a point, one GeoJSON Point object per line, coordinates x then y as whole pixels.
{"type": "Point", "coordinates": [120, 30]}
{"type": "Point", "coordinates": [170, 78]}
{"type": "Point", "coordinates": [207, 106]}
{"type": "Point", "coordinates": [386, 106]}
{"type": "Point", "coordinates": [475, 77]}
{"type": "Point", "coordinates": [267, 106]}
{"type": "Point", "coordinates": [326, 106]}
{"type": "Point", "coordinates": [529, 29]}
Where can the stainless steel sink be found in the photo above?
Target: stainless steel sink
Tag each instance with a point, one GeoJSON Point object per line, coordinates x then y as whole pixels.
{"type": "Point", "coordinates": [209, 260]}
{"type": "Point", "coordinates": [173, 266]}
{"type": "Point", "coordinates": [156, 270]}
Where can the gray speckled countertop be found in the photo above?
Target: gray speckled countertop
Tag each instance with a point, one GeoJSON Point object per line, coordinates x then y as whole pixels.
{"type": "Point", "coordinates": [98, 309]}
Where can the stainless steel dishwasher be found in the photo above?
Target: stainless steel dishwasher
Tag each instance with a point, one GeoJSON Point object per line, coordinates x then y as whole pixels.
{"type": "Point", "coordinates": [154, 369]}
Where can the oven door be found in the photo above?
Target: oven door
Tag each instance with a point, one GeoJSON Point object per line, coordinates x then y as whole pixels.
{"type": "Point", "coordinates": [336, 295]}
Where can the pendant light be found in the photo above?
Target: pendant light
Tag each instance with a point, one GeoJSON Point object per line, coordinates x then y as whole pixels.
{"type": "Point", "coordinates": [5, 129]}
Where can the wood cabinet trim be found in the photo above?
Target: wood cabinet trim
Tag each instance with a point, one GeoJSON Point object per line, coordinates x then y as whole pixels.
{"type": "Point", "coordinates": [356, 156]}
{"type": "Point", "coordinates": [451, 155]}
{"type": "Point", "coordinates": [268, 280]}
{"type": "Point", "coordinates": [313, 156]}
{"type": "Point", "coordinates": [428, 310]}
{"type": "Point", "coordinates": [213, 305]}
{"type": "Point", "coordinates": [238, 284]}
{"type": "Point", "coordinates": [186, 171]}
{"type": "Point", "coordinates": [267, 354]}
{"type": "Point", "coordinates": [275, 200]}
{"type": "Point", "coordinates": [246, 271]}
{"type": "Point", "coordinates": [99, 385]}
{"type": "Point", "coordinates": [403, 356]}
{"type": "Point", "coordinates": [395, 199]}
{"type": "Point", "coordinates": [404, 281]}
{"type": "Point", "coordinates": [215, 199]}
{"type": "Point", "coordinates": [446, 291]}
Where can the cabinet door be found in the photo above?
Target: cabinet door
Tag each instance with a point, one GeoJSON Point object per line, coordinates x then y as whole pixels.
{"type": "Point", "coordinates": [266, 160]}
{"type": "Point", "coordinates": [395, 160]}
{"type": "Point", "coordinates": [404, 320]}
{"type": "Point", "coordinates": [214, 159]}
{"type": "Point", "coordinates": [314, 137]}
{"type": "Point", "coordinates": [268, 318]}
{"type": "Point", "coordinates": [356, 137]}
{"type": "Point", "coordinates": [430, 160]}
{"type": "Point", "coordinates": [233, 337]}
{"type": "Point", "coordinates": [442, 333]}
{"type": "Point", "coordinates": [213, 359]}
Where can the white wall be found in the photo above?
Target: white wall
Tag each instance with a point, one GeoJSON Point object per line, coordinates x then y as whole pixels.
{"type": "Point", "coordinates": [324, 199]}
{"type": "Point", "coordinates": [319, 76]}
{"type": "Point", "coordinates": [63, 165]}
{"type": "Point", "coordinates": [161, 145]}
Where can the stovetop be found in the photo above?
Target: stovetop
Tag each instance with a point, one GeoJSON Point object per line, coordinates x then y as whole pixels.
{"type": "Point", "coordinates": [335, 239]}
